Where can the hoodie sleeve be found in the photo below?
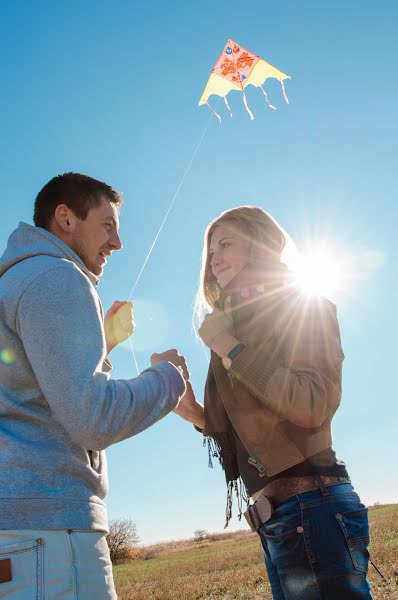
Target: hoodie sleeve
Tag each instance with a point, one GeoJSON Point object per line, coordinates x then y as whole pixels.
{"type": "Point", "coordinates": [61, 329]}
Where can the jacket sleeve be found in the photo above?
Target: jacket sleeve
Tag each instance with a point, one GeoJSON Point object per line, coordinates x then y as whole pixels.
{"type": "Point", "coordinates": [60, 326]}
{"type": "Point", "coordinates": [301, 380]}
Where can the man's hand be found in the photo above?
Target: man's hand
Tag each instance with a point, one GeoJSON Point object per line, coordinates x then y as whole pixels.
{"type": "Point", "coordinates": [175, 358]}
{"type": "Point", "coordinates": [118, 324]}
{"type": "Point", "coordinates": [189, 409]}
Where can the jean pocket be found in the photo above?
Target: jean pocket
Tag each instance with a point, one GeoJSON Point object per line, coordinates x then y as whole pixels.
{"type": "Point", "coordinates": [355, 527]}
{"type": "Point", "coordinates": [25, 560]}
{"type": "Point", "coordinates": [285, 544]}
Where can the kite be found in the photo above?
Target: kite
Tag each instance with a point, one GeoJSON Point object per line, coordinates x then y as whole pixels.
{"type": "Point", "coordinates": [234, 70]}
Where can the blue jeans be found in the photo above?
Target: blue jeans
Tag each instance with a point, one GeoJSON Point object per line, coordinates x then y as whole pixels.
{"type": "Point", "coordinates": [315, 546]}
{"type": "Point", "coordinates": [49, 564]}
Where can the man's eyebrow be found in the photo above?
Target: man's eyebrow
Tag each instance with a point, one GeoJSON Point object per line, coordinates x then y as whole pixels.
{"type": "Point", "coordinates": [111, 220]}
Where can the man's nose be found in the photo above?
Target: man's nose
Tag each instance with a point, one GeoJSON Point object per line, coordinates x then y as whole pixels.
{"type": "Point", "coordinates": [116, 242]}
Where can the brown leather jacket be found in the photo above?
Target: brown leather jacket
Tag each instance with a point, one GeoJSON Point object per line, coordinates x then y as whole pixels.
{"type": "Point", "coordinates": [282, 391]}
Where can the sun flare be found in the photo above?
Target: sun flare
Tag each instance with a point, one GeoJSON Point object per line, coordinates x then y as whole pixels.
{"type": "Point", "coordinates": [319, 274]}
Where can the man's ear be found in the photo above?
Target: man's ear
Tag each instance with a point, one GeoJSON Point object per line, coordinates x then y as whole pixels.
{"type": "Point", "coordinates": [65, 218]}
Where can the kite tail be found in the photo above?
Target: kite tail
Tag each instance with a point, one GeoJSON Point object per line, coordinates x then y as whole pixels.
{"type": "Point", "coordinates": [284, 93]}
{"type": "Point", "coordinates": [247, 107]}
{"type": "Point", "coordinates": [266, 98]}
{"type": "Point", "coordinates": [227, 105]}
{"type": "Point", "coordinates": [214, 112]}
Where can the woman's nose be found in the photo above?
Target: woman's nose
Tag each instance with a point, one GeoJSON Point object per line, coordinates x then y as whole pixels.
{"type": "Point", "coordinates": [215, 259]}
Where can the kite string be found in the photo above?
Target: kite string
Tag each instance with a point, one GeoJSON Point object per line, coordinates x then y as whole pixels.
{"type": "Point", "coordinates": [214, 112]}
{"type": "Point", "coordinates": [170, 206]}
{"type": "Point", "coordinates": [134, 357]}
{"type": "Point", "coordinates": [162, 225]}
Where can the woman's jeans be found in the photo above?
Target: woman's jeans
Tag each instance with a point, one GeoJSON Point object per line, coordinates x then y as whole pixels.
{"type": "Point", "coordinates": [50, 564]}
{"type": "Point", "coordinates": [315, 546]}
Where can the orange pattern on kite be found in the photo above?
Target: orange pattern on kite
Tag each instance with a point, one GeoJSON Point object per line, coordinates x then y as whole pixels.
{"type": "Point", "coordinates": [234, 70]}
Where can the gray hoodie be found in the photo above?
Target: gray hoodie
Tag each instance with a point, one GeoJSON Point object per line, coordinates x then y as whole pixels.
{"type": "Point", "coordinates": [59, 409]}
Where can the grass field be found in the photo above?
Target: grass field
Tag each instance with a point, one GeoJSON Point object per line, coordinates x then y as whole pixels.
{"type": "Point", "coordinates": [231, 567]}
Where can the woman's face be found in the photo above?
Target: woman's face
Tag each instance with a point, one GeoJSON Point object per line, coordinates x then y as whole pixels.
{"type": "Point", "coordinates": [229, 253]}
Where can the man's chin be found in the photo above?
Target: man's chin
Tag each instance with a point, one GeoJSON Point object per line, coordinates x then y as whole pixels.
{"type": "Point", "coordinates": [96, 269]}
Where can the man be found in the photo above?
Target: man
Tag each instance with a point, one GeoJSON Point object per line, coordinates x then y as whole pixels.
{"type": "Point", "coordinates": [59, 409]}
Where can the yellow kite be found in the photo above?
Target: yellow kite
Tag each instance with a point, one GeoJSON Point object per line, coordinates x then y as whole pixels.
{"type": "Point", "coordinates": [235, 69]}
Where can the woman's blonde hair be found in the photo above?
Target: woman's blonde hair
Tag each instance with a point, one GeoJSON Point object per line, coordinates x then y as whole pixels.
{"type": "Point", "coordinates": [266, 240]}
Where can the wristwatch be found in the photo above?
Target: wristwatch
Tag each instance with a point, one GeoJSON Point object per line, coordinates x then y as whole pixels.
{"type": "Point", "coordinates": [227, 360]}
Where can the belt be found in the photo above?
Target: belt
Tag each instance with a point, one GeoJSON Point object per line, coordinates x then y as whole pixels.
{"type": "Point", "coordinates": [281, 489]}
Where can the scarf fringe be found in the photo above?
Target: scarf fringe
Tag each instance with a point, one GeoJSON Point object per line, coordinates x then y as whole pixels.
{"type": "Point", "coordinates": [220, 448]}
{"type": "Point", "coordinates": [213, 450]}
{"type": "Point", "coordinates": [239, 488]}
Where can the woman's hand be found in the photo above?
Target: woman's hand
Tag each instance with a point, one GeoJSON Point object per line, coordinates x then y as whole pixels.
{"type": "Point", "coordinates": [118, 324]}
{"type": "Point", "coordinates": [219, 321]}
{"type": "Point", "coordinates": [216, 330]}
{"type": "Point", "coordinates": [189, 409]}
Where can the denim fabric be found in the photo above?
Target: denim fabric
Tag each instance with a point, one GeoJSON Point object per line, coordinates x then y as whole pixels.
{"type": "Point", "coordinates": [315, 546]}
{"type": "Point", "coordinates": [50, 564]}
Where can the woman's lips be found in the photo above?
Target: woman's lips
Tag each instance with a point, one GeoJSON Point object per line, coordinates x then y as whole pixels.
{"type": "Point", "coordinates": [221, 271]}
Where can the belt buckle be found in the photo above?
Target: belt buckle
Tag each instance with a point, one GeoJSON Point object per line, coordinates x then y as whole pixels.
{"type": "Point", "coordinates": [259, 513]}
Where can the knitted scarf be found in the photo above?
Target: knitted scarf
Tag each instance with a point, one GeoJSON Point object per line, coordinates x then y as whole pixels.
{"type": "Point", "coordinates": [219, 433]}
{"type": "Point", "coordinates": [221, 443]}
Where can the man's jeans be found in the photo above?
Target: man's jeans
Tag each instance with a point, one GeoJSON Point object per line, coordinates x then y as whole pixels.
{"type": "Point", "coordinates": [50, 564]}
{"type": "Point", "coordinates": [315, 546]}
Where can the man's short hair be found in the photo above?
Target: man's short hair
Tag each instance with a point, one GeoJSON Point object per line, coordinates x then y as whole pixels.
{"type": "Point", "coordinates": [78, 192]}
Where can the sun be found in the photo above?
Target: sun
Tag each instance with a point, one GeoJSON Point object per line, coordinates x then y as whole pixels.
{"type": "Point", "coordinates": [319, 274]}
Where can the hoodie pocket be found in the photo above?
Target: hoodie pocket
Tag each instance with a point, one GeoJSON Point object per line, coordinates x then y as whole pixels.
{"type": "Point", "coordinates": [21, 570]}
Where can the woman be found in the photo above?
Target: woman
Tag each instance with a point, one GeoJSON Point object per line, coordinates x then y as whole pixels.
{"type": "Point", "coordinates": [273, 386]}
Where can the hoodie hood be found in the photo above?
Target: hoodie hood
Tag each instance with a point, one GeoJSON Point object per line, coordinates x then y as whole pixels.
{"type": "Point", "coordinates": [28, 241]}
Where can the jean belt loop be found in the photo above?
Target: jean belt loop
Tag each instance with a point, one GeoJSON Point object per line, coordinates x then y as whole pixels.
{"type": "Point", "coordinates": [322, 487]}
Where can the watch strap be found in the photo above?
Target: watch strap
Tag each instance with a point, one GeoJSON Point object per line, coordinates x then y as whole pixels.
{"type": "Point", "coordinates": [236, 350]}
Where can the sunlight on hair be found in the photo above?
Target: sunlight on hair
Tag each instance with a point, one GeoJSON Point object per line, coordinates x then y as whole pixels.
{"type": "Point", "coordinates": [319, 274]}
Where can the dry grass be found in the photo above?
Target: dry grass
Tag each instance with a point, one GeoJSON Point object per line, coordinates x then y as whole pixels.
{"type": "Point", "coordinates": [230, 566]}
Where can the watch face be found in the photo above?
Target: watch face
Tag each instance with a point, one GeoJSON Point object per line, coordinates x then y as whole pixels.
{"type": "Point", "coordinates": [226, 361]}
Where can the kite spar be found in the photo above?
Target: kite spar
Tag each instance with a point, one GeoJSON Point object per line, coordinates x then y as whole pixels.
{"type": "Point", "coordinates": [235, 69]}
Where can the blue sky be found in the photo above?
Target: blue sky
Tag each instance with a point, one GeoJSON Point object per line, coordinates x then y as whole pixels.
{"type": "Point", "coordinates": [111, 90]}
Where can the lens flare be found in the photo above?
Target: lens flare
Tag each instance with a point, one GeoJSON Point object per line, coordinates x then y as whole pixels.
{"type": "Point", "coordinates": [7, 356]}
{"type": "Point", "coordinates": [318, 274]}
{"type": "Point", "coordinates": [152, 326]}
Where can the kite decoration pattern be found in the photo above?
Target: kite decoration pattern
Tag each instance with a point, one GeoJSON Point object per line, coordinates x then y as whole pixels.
{"type": "Point", "coordinates": [234, 70]}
